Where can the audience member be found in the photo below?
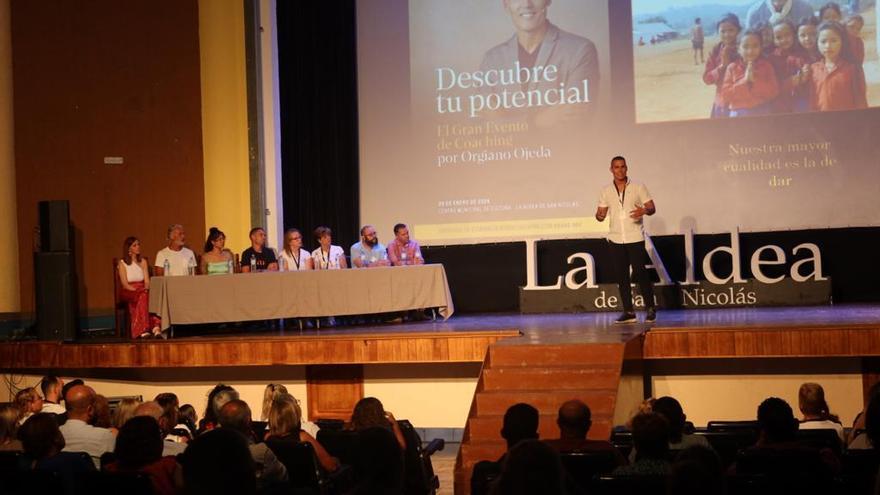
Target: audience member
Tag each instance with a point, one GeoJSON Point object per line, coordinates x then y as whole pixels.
{"type": "Point", "coordinates": [124, 411]}
{"type": "Point", "coordinates": [369, 412]}
{"type": "Point", "coordinates": [174, 431]}
{"type": "Point", "coordinates": [218, 462]}
{"type": "Point", "coordinates": [167, 419]}
{"type": "Point", "coordinates": [574, 421]}
{"type": "Point", "coordinates": [216, 259]}
{"type": "Point", "coordinates": [45, 450]}
{"type": "Point", "coordinates": [328, 256]}
{"type": "Point", "coordinates": [402, 250]}
{"type": "Point", "coordinates": [293, 257]}
{"type": "Point", "coordinates": [697, 470]}
{"type": "Point", "coordinates": [189, 419]}
{"type": "Point", "coordinates": [776, 422]}
{"type": "Point", "coordinates": [181, 260]}
{"type": "Point", "coordinates": [9, 428]}
{"type": "Point", "coordinates": [217, 397]}
{"type": "Point", "coordinates": [272, 391]}
{"type": "Point", "coordinates": [368, 251]}
{"type": "Point", "coordinates": [379, 464]}
{"type": "Point", "coordinates": [650, 433]}
{"type": "Point", "coordinates": [134, 278]}
{"type": "Point", "coordinates": [531, 467]}
{"type": "Point", "coordinates": [28, 402]}
{"type": "Point", "coordinates": [139, 450]}
{"type": "Point", "coordinates": [670, 408]}
{"type": "Point", "coordinates": [817, 415]}
{"type": "Point", "coordinates": [79, 435]}
{"type": "Point", "coordinates": [520, 423]}
{"type": "Point", "coordinates": [867, 437]}
{"type": "Point", "coordinates": [858, 425]}
{"type": "Point", "coordinates": [285, 428]}
{"type": "Point", "coordinates": [236, 415]}
{"type": "Point", "coordinates": [51, 386]}
{"type": "Point", "coordinates": [102, 417]}
{"type": "Point", "coordinates": [260, 256]}
{"type": "Point", "coordinates": [66, 388]}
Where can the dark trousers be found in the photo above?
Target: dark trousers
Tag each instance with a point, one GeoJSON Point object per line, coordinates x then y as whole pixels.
{"type": "Point", "coordinates": [633, 254]}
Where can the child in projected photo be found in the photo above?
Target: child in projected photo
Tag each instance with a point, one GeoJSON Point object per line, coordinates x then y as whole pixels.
{"type": "Point", "coordinates": [831, 12]}
{"type": "Point", "coordinates": [750, 83]}
{"type": "Point", "coordinates": [721, 56]}
{"type": "Point", "coordinates": [766, 30]}
{"type": "Point", "coordinates": [790, 67]}
{"type": "Point", "coordinates": [808, 32]}
{"type": "Point", "coordinates": [837, 82]}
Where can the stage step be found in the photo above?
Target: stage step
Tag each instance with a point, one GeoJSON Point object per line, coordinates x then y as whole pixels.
{"type": "Point", "coordinates": [545, 401]}
{"type": "Point", "coordinates": [562, 378]}
{"type": "Point", "coordinates": [586, 355]}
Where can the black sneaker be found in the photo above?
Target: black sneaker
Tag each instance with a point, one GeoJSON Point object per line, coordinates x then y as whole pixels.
{"type": "Point", "coordinates": [626, 318]}
{"type": "Point", "coordinates": [651, 317]}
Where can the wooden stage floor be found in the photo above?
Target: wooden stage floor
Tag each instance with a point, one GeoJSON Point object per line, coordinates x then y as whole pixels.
{"type": "Point", "coordinates": [847, 330]}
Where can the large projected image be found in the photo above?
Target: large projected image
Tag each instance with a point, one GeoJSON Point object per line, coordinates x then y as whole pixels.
{"type": "Point", "coordinates": [693, 59]}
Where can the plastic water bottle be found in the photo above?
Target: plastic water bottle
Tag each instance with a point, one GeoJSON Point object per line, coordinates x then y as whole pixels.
{"type": "Point", "coordinates": [229, 268]}
{"type": "Point", "coordinates": [191, 267]}
{"type": "Point", "coordinates": [403, 258]}
{"type": "Point", "coordinates": [282, 264]}
{"type": "Point", "coordinates": [253, 263]}
{"type": "Point", "coordinates": [166, 268]}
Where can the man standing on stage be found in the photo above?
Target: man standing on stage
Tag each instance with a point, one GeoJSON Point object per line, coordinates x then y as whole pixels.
{"type": "Point", "coordinates": [627, 203]}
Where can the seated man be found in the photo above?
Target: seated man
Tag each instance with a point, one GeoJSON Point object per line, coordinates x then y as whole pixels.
{"type": "Point", "coordinates": [51, 387]}
{"type": "Point", "coordinates": [651, 439]}
{"type": "Point", "coordinates": [369, 251]}
{"type": "Point", "coordinates": [520, 423]}
{"type": "Point", "coordinates": [236, 415]}
{"type": "Point", "coordinates": [403, 251]}
{"type": "Point", "coordinates": [263, 256]}
{"type": "Point", "coordinates": [79, 435]}
{"type": "Point", "coordinates": [181, 260]}
{"type": "Point", "coordinates": [574, 423]}
{"type": "Point", "coordinates": [165, 413]}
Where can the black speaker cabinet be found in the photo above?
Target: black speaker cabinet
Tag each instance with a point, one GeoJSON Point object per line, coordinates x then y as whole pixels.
{"type": "Point", "coordinates": [55, 278]}
{"type": "Point", "coordinates": [54, 226]}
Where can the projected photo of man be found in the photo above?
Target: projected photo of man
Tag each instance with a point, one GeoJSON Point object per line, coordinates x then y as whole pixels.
{"type": "Point", "coordinates": [557, 71]}
{"type": "Point", "coordinates": [821, 56]}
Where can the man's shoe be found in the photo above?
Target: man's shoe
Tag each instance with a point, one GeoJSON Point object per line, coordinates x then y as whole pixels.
{"type": "Point", "coordinates": [626, 318]}
{"type": "Point", "coordinates": [651, 317]}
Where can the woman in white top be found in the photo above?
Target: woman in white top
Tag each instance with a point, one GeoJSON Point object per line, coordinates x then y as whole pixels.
{"type": "Point", "coordinates": [817, 415]}
{"type": "Point", "coordinates": [327, 256]}
{"type": "Point", "coordinates": [134, 276]}
{"type": "Point", "coordinates": [293, 257]}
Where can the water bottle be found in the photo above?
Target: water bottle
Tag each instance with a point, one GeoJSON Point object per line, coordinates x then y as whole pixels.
{"type": "Point", "coordinates": [403, 258]}
{"type": "Point", "coordinates": [166, 268]}
{"type": "Point", "coordinates": [253, 263]}
{"type": "Point", "coordinates": [191, 267]}
{"type": "Point", "coordinates": [282, 264]}
{"type": "Point", "coordinates": [229, 268]}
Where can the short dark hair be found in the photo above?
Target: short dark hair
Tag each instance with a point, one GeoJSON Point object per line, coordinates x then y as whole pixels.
{"type": "Point", "coordinates": [255, 230]}
{"type": "Point", "coordinates": [520, 423]}
{"type": "Point", "coordinates": [830, 6]}
{"type": "Point", "coordinates": [777, 420]}
{"type": "Point", "coordinates": [139, 442]}
{"type": "Point", "coordinates": [40, 434]}
{"type": "Point", "coordinates": [671, 409]}
{"type": "Point", "coordinates": [618, 157]}
{"type": "Point", "coordinates": [729, 18]}
{"type": "Point", "coordinates": [650, 436]}
{"type": "Point", "coordinates": [47, 383]}
{"type": "Point", "coordinates": [218, 461]}
{"type": "Point", "coordinates": [399, 226]}
{"type": "Point", "coordinates": [321, 231]}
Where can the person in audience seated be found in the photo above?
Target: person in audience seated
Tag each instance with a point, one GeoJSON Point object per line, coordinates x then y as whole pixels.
{"type": "Point", "coordinates": [285, 427]}
{"type": "Point", "coordinates": [270, 393]}
{"type": "Point", "coordinates": [217, 397]}
{"type": "Point", "coordinates": [174, 431]}
{"type": "Point", "coordinates": [9, 428]}
{"type": "Point", "coordinates": [181, 259]}
{"type": "Point", "coordinates": [868, 436]}
{"type": "Point", "coordinates": [369, 412]}
{"type": "Point", "coordinates": [670, 408]}
{"type": "Point", "coordinates": [51, 386]}
{"type": "Point", "coordinates": [102, 418]}
{"type": "Point", "coordinates": [45, 450]}
{"type": "Point", "coordinates": [379, 463]}
{"type": "Point", "coordinates": [574, 421]}
{"type": "Point", "coordinates": [817, 415]}
{"type": "Point", "coordinates": [262, 254]}
{"type": "Point", "coordinates": [402, 250]}
{"type": "Point", "coordinates": [28, 402]}
{"type": "Point", "coordinates": [520, 423]}
{"type": "Point", "coordinates": [697, 470]}
{"type": "Point", "coordinates": [189, 419]}
{"type": "Point", "coordinates": [650, 433]}
{"type": "Point", "coordinates": [134, 278]}
{"type": "Point", "coordinates": [218, 462]}
{"type": "Point", "coordinates": [293, 257]}
{"type": "Point", "coordinates": [858, 425]}
{"type": "Point", "coordinates": [531, 466]}
{"type": "Point", "coordinates": [79, 435]}
{"type": "Point", "coordinates": [368, 251]}
{"type": "Point", "coordinates": [217, 259]}
{"type": "Point", "coordinates": [139, 450]}
{"type": "Point", "coordinates": [124, 411]}
{"type": "Point", "coordinates": [167, 419]}
{"type": "Point", "coordinates": [328, 256]}
{"type": "Point", "coordinates": [236, 415]}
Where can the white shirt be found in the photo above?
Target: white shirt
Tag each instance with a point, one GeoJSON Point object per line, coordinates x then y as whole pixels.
{"type": "Point", "coordinates": [289, 264]}
{"type": "Point", "coordinates": [82, 437]}
{"type": "Point", "coordinates": [823, 425]}
{"type": "Point", "coordinates": [180, 260]}
{"type": "Point", "coordinates": [51, 407]}
{"type": "Point", "coordinates": [325, 262]}
{"type": "Point", "coordinates": [622, 228]}
{"type": "Point", "coordinates": [133, 272]}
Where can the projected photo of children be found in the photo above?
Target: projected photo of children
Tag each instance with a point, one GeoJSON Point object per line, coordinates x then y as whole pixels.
{"type": "Point", "coordinates": [697, 59]}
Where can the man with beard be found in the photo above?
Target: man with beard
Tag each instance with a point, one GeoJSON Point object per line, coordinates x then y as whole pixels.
{"type": "Point", "coordinates": [369, 251]}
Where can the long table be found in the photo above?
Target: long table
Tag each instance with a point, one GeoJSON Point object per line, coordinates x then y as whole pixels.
{"type": "Point", "coordinates": [304, 294]}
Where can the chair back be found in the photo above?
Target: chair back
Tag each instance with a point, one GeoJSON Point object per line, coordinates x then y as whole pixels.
{"type": "Point", "coordinates": [419, 476]}
{"type": "Point", "coordinates": [342, 444]}
{"type": "Point", "coordinates": [628, 485]}
{"type": "Point", "coordinates": [119, 483]}
{"type": "Point", "coordinates": [728, 443]}
{"type": "Point", "coordinates": [583, 466]}
{"type": "Point", "coordinates": [732, 425]}
{"type": "Point", "coordinates": [860, 470]}
{"type": "Point", "coordinates": [820, 439]}
{"type": "Point", "coordinates": [303, 471]}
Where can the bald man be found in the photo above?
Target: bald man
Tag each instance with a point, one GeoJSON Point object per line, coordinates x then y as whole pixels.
{"type": "Point", "coordinates": [236, 415]}
{"type": "Point", "coordinates": [574, 421]}
{"type": "Point", "coordinates": [167, 420]}
{"type": "Point", "coordinates": [79, 435]}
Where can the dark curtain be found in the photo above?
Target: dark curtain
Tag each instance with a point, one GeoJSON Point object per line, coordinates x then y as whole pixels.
{"type": "Point", "coordinates": [319, 129]}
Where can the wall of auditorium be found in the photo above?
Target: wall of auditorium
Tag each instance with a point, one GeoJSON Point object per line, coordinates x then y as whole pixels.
{"type": "Point", "coordinates": [10, 301]}
{"type": "Point", "coordinates": [105, 78]}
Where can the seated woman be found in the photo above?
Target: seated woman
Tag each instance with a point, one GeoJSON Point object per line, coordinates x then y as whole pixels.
{"type": "Point", "coordinates": [217, 259]}
{"type": "Point", "coordinates": [369, 413]}
{"type": "Point", "coordinates": [293, 257]}
{"type": "Point", "coordinates": [817, 415]}
{"type": "Point", "coordinates": [139, 450]}
{"type": "Point", "coordinates": [28, 402]}
{"type": "Point", "coordinates": [134, 276]}
{"type": "Point", "coordinates": [42, 442]}
{"type": "Point", "coordinates": [9, 428]}
{"type": "Point", "coordinates": [124, 411]}
{"type": "Point", "coordinates": [327, 256]}
{"type": "Point", "coordinates": [285, 428]}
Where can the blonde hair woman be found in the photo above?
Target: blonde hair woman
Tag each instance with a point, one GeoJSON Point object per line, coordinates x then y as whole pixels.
{"type": "Point", "coordinates": [272, 391]}
{"type": "Point", "coordinates": [285, 428]}
{"type": "Point", "coordinates": [124, 411]}
{"type": "Point", "coordinates": [817, 414]}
